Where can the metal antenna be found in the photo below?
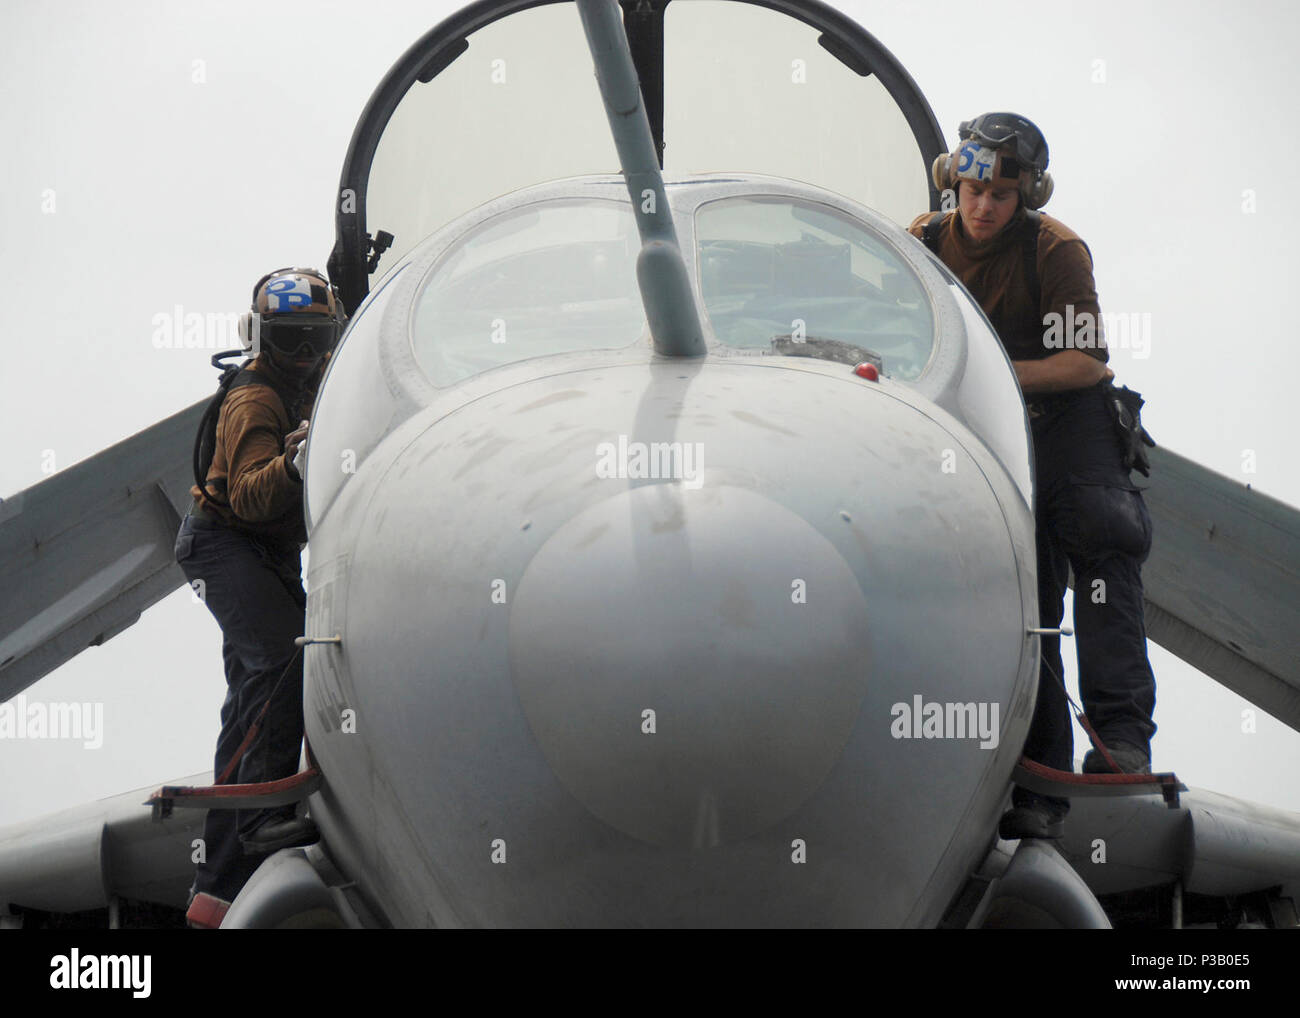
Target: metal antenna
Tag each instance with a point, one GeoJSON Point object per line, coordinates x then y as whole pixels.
{"type": "Point", "coordinates": [660, 268]}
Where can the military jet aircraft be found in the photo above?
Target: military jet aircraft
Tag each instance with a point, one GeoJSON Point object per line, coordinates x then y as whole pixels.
{"type": "Point", "coordinates": [666, 569]}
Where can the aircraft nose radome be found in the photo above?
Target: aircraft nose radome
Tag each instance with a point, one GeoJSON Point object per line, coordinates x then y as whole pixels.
{"type": "Point", "coordinates": [579, 690]}
{"type": "Point", "coordinates": [691, 662]}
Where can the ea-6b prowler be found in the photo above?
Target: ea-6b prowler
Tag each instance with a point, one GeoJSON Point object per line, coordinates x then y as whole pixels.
{"type": "Point", "coordinates": [671, 531]}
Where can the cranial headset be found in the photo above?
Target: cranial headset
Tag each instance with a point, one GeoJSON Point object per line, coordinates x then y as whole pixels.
{"type": "Point", "coordinates": [295, 311]}
{"type": "Point", "coordinates": [983, 155]}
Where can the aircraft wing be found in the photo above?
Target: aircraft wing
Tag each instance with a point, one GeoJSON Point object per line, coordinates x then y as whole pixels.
{"type": "Point", "coordinates": [1221, 852]}
{"type": "Point", "coordinates": [83, 857]}
{"type": "Point", "coordinates": [1223, 582]}
{"type": "Point", "coordinates": [83, 553]}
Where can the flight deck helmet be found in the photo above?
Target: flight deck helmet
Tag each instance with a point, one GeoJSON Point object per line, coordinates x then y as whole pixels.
{"type": "Point", "coordinates": [999, 147]}
{"type": "Point", "coordinates": [295, 312]}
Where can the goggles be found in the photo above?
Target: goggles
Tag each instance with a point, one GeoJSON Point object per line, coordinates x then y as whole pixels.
{"type": "Point", "coordinates": [299, 336]}
{"type": "Point", "coordinates": [1000, 130]}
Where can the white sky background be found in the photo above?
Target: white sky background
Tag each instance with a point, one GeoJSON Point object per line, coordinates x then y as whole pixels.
{"type": "Point", "coordinates": [172, 192]}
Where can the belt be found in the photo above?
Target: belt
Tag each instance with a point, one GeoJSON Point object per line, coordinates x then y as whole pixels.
{"type": "Point", "coordinates": [199, 512]}
{"type": "Point", "coordinates": [1051, 402]}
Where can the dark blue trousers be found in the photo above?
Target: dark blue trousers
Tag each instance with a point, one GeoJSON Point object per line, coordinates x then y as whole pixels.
{"type": "Point", "coordinates": [1092, 519]}
{"type": "Point", "coordinates": [254, 590]}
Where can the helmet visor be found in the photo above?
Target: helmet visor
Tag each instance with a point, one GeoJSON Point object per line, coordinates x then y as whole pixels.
{"type": "Point", "coordinates": [300, 336]}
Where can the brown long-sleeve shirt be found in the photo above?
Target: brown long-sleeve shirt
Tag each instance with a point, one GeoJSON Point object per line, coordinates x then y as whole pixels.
{"type": "Point", "coordinates": [250, 463]}
{"type": "Point", "coordinates": [995, 275]}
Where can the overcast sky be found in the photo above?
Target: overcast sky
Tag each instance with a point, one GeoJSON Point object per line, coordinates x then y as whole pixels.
{"type": "Point", "coordinates": [162, 154]}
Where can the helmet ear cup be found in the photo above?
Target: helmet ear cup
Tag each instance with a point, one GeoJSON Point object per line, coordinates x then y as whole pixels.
{"type": "Point", "coordinates": [940, 169]}
{"type": "Point", "coordinates": [249, 329]}
{"type": "Point", "coordinates": [250, 322]}
{"type": "Point", "coordinates": [1037, 192]}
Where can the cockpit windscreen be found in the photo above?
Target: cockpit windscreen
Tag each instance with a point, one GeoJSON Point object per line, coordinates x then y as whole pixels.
{"type": "Point", "coordinates": [548, 278]}
{"type": "Point", "coordinates": [800, 279]}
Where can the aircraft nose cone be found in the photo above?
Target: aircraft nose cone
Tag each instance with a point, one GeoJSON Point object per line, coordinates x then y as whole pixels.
{"type": "Point", "coordinates": [689, 678]}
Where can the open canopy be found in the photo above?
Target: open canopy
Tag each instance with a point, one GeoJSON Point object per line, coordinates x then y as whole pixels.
{"type": "Point", "coordinates": [501, 95]}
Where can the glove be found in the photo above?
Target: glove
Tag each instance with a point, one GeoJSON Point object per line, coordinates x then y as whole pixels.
{"type": "Point", "coordinates": [1125, 407]}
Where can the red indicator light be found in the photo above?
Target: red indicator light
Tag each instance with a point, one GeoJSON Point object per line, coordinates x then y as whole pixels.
{"type": "Point", "coordinates": [868, 371]}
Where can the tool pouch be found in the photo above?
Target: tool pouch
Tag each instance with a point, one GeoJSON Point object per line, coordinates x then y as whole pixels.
{"type": "Point", "coordinates": [1125, 407]}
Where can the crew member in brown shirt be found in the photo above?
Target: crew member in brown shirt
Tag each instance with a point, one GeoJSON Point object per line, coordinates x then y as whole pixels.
{"type": "Point", "coordinates": [239, 546]}
{"type": "Point", "coordinates": [1032, 275]}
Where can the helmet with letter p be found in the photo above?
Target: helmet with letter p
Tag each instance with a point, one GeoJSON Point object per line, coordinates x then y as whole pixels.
{"type": "Point", "coordinates": [296, 314]}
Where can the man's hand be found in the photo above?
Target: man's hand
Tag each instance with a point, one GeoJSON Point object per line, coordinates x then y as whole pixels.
{"type": "Point", "coordinates": [1069, 369]}
{"type": "Point", "coordinates": [292, 441]}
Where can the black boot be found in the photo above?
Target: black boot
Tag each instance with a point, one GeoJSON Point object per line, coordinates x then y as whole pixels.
{"type": "Point", "coordinates": [1131, 760]}
{"type": "Point", "coordinates": [1035, 820]}
{"type": "Point", "coordinates": [277, 834]}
